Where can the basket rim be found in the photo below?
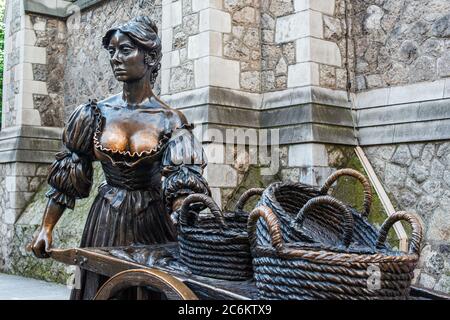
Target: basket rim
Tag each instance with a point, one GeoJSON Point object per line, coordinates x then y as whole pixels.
{"type": "Point", "coordinates": [317, 254]}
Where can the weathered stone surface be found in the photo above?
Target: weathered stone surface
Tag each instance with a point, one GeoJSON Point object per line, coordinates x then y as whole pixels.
{"type": "Point", "coordinates": [400, 40]}
{"type": "Point", "coordinates": [402, 156]}
{"type": "Point", "coordinates": [425, 191]}
{"type": "Point", "coordinates": [419, 171]}
{"type": "Point", "coordinates": [281, 7]}
{"type": "Point", "coordinates": [182, 77]}
{"type": "Point", "coordinates": [250, 80]}
{"type": "Point", "coordinates": [443, 65]}
{"type": "Point", "coordinates": [427, 281]}
{"type": "Point", "coordinates": [441, 27]}
{"type": "Point", "coordinates": [424, 69]}
{"type": "Point", "coordinates": [245, 15]}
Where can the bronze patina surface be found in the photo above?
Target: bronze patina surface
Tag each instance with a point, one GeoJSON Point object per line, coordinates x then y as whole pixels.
{"type": "Point", "coordinates": [139, 140]}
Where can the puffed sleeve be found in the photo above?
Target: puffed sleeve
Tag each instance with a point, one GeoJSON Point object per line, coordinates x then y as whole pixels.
{"type": "Point", "coordinates": [70, 175]}
{"type": "Point", "coordinates": [183, 162]}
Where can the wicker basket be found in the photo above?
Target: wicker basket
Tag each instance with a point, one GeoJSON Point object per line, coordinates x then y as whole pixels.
{"type": "Point", "coordinates": [308, 271]}
{"type": "Point", "coordinates": [217, 245]}
{"type": "Point", "coordinates": [286, 199]}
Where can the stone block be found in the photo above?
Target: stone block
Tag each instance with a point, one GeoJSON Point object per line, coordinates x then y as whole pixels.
{"type": "Point", "coordinates": [16, 184]}
{"type": "Point", "coordinates": [372, 98]}
{"type": "Point", "coordinates": [447, 88]}
{"type": "Point", "coordinates": [165, 81]}
{"type": "Point", "coordinates": [29, 117]}
{"type": "Point", "coordinates": [166, 40]}
{"type": "Point", "coordinates": [215, 71]}
{"type": "Point", "coordinates": [33, 54]}
{"type": "Point", "coordinates": [417, 92]}
{"type": "Point", "coordinates": [23, 71]}
{"type": "Point", "coordinates": [215, 153]}
{"type": "Point", "coordinates": [303, 74]}
{"type": "Point", "coordinates": [11, 215]}
{"type": "Point", "coordinates": [19, 200]}
{"type": "Point", "coordinates": [317, 50]}
{"type": "Point", "coordinates": [37, 87]}
{"type": "Point", "coordinates": [27, 37]}
{"type": "Point", "coordinates": [214, 20]}
{"type": "Point", "coordinates": [198, 5]}
{"type": "Point", "coordinates": [172, 14]}
{"type": "Point", "coordinates": [205, 44]}
{"type": "Point", "coordinates": [25, 99]}
{"type": "Point", "coordinates": [39, 25]}
{"type": "Point", "coordinates": [307, 155]}
{"type": "Point", "coordinates": [217, 196]}
{"type": "Point", "coordinates": [222, 176]}
{"type": "Point", "coordinates": [299, 25]}
{"type": "Point", "coordinates": [324, 6]}
{"type": "Point", "coordinates": [170, 59]}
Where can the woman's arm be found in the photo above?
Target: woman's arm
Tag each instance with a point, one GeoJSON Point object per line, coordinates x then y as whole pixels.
{"type": "Point", "coordinates": [70, 175]}
{"type": "Point", "coordinates": [183, 163]}
{"type": "Point", "coordinates": [42, 243]}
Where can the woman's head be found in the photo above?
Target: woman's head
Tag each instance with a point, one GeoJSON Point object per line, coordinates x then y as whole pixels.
{"type": "Point", "coordinates": [135, 49]}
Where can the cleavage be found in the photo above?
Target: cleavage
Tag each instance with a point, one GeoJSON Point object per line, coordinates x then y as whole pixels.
{"type": "Point", "coordinates": [131, 131]}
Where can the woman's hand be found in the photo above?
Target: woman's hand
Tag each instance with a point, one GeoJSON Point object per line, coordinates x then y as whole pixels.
{"type": "Point", "coordinates": [42, 244]}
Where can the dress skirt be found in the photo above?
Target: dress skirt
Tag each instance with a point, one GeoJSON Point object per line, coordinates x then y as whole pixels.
{"type": "Point", "coordinates": [121, 217]}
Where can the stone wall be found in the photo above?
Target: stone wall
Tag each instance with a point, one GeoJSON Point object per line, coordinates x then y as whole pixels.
{"type": "Point", "coordinates": [275, 58]}
{"type": "Point", "coordinates": [400, 42]}
{"type": "Point", "coordinates": [88, 72]}
{"type": "Point", "coordinates": [417, 177]}
{"type": "Point", "coordinates": [51, 35]}
{"type": "Point", "coordinates": [18, 184]}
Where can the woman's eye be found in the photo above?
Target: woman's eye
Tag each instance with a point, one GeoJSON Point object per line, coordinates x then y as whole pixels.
{"type": "Point", "coordinates": [126, 50]}
{"type": "Point", "coordinates": [111, 52]}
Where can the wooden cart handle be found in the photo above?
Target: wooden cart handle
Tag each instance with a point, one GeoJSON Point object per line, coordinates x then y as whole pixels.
{"type": "Point", "coordinates": [246, 196]}
{"type": "Point", "coordinates": [272, 224]}
{"type": "Point", "coordinates": [328, 200]}
{"type": "Point", "coordinates": [355, 174]}
{"type": "Point", "coordinates": [208, 201]}
{"type": "Point", "coordinates": [417, 231]}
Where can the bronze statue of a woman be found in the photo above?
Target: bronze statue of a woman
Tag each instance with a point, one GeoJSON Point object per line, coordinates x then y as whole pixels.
{"type": "Point", "coordinates": [147, 150]}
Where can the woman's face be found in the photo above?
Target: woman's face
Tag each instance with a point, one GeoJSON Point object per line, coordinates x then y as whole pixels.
{"type": "Point", "coordinates": [127, 61]}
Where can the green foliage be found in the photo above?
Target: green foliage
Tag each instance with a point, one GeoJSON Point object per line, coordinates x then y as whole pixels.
{"type": "Point", "coordinates": [2, 46]}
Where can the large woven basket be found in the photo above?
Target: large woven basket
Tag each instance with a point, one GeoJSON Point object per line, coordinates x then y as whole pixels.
{"type": "Point", "coordinates": [217, 245]}
{"type": "Point", "coordinates": [286, 199]}
{"type": "Point", "coordinates": [309, 271]}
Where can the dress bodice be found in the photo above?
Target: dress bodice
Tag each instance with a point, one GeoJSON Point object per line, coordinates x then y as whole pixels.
{"type": "Point", "coordinates": [129, 136]}
{"type": "Point", "coordinates": [153, 141]}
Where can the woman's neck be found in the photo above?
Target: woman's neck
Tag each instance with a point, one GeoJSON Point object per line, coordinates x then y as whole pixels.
{"type": "Point", "coordinates": [136, 92]}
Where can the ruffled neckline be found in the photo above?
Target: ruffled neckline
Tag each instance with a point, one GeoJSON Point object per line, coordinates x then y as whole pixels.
{"type": "Point", "coordinates": [132, 158]}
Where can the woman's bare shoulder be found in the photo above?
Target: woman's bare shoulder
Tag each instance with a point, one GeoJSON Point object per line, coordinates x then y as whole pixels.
{"type": "Point", "coordinates": [176, 117]}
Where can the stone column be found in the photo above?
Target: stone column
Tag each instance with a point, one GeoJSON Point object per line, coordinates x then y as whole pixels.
{"type": "Point", "coordinates": [304, 83]}
{"type": "Point", "coordinates": [32, 109]}
{"type": "Point", "coordinates": [205, 76]}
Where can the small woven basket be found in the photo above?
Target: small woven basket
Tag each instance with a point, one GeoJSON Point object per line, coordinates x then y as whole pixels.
{"type": "Point", "coordinates": [286, 199]}
{"type": "Point", "coordinates": [298, 271]}
{"type": "Point", "coordinates": [217, 245]}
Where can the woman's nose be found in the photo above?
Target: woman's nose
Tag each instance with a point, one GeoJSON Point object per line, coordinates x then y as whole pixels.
{"type": "Point", "coordinates": [115, 58]}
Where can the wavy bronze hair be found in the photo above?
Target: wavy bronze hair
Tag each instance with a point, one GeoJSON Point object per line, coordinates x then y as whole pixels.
{"type": "Point", "coordinates": [144, 33]}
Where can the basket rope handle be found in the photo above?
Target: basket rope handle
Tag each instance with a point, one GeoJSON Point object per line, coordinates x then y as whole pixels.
{"type": "Point", "coordinates": [208, 201]}
{"type": "Point", "coordinates": [246, 196]}
{"type": "Point", "coordinates": [417, 230]}
{"type": "Point", "coordinates": [272, 224]}
{"type": "Point", "coordinates": [355, 174]}
{"type": "Point", "coordinates": [328, 200]}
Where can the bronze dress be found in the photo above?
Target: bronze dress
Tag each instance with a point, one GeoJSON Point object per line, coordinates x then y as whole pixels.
{"type": "Point", "coordinates": [133, 204]}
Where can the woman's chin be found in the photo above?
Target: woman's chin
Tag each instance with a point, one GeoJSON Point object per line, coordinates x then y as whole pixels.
{"type": "Point", "coordinates": [122, 78]}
